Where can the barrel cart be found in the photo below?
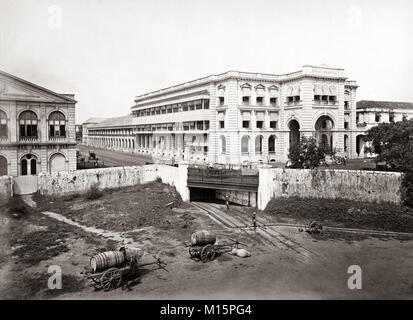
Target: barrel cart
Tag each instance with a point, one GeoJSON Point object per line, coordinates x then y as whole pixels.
{"type": "Point", "coordinates": [203, 246]}
{"type": "Point", "coordinates": [112, 269]}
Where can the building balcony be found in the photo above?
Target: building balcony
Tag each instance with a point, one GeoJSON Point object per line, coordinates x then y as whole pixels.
{"type": "Point", "coordinates": [29, 139]}
{"type": "Point", "coordinates": [58, 139]}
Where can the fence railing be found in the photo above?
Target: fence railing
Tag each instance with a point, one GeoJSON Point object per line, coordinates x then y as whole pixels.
{"type": "Point", "coordinates": [222, 176]}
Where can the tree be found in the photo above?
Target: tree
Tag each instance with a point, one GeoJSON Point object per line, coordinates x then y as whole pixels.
{"type": "Point", "coordinates": [306, 154]}
{"type": "Point", "coordinates": [393, 144]}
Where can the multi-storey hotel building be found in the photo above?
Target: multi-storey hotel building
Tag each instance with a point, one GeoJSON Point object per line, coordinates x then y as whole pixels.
{"type": "Point", "coordinates": [237, 117]}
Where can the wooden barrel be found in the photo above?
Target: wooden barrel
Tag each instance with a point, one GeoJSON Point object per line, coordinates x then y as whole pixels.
{"type": "Point", "coordinates": [202, 238]}
{"type": "Point", "coordinates": [105, 260]}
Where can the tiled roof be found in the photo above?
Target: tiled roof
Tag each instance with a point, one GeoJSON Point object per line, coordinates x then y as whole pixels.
{"type": "Point", "coordinates": [94, 120]}
{"type": "Point", "coordinates": [114, 122]}
{"type": "Point", "coordinates": [369, 104]}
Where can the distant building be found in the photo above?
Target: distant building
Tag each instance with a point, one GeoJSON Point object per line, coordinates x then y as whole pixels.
{"type": "Point", "coordinates": [114, 133]}
{"type": "Point", "coordinates": [370, 113]}
{"type": "Point", "coordinates": [85, 126]}
{"type": "Point", "coordinates": [37, 128]}
{"type": "Point", "coordinates": [79, 133]}
{"type": "Point", "coordinates": [237, 117]}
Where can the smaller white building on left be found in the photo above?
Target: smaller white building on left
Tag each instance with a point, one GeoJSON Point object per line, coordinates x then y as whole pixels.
{"type": "Point", "coordinates": [37, 128]}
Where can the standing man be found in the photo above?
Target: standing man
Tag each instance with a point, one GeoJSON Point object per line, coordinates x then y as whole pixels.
{"type": "Point", "coordinates": [254, 220]}
{"type": "Point", "coordinates": [227, 202]}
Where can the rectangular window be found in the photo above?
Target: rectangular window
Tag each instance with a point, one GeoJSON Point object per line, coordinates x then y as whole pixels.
{"type": "Point", "coordinates": [191, 106]}
{"type": "Point", "coordinates": [377, 117]}
{"type": "Point", "coordinates": [273, 124]}
{"type": "Point", "coordinates": [391, 117]}
{"type": "Point", "coordinates": [345, 125]}
{"type": "Point", "coordinates": [198, 105]}
{"type": "Point", "coordinates": [273, 101]}
{"type": "Point", "coordinates": [324, 99]}
{"type": "Point", "coordinates": [317, 99]}
{"type": "Point", "coordinates": [332, 99]}
{"type": "Point", "coordinates": [221, 101]}
{"type": "Point", "coordinates": [199, 125]}
{"type": "Point", "coordinates": [346, 105]}
{"type": "Point", "coordinates": [169, 109]}
{"type": "Point", "coordinates": [290, 100]}
{"type": "Point", "coordinates": [260, 124]}
{"type": "Point", "coordinates": [222, 124]}
{"type": "Point", "coordinates": [260, 101]}
{"type": "Point", "coordinates": [245, 100]}
{"type": "Point", "coordinates": [245, 124]}
{"type": "Point", "coordinates": [206, 125]}
{"type": "Point", "coordinates": [3, 130]}
{"type": "Point", "coordinates": [184, 107]}
{"type": "Point", "coordinates": [206, 104]}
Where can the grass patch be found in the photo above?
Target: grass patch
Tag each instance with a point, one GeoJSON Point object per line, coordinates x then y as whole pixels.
{"type": "Point", "coordinates": [343, 213]}
{"type": "Point", "coordinates": [34, 286]}
{"type": "Point", "coordinates": [17, 208]}
{"type": "Point", "coordinates": [34, 247]}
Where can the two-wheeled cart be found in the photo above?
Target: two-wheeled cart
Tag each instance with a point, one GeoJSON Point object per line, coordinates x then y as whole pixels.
{"type": "Point", "coordinates": [208, 252]}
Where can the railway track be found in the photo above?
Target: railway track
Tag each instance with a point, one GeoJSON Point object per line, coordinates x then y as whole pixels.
{"type": "Point", "coordinates": [268, 235]}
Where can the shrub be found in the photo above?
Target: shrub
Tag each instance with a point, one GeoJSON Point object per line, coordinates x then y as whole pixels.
{"type": "Point", "coordinates": [94, 193]}
{"type": "Point", "coordinates": [306, 154]}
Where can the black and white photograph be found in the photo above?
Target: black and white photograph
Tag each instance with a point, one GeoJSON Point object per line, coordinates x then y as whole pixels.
{"type": "Point", "coordinates": [213, 150]}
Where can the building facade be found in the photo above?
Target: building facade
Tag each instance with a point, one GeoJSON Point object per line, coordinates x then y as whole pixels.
{"type": "Point", "coordinates": [240, 117]}
{"type": "Point", "coordinates": [85, 128]}
{"type": "Point", "coordinates": [370, 113]}
{"type": "Point", "coordinates": [114, 134]}
{"type": "Point", "coordinates": [37, 128]}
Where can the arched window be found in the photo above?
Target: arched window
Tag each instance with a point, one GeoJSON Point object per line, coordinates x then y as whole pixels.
{"type": "Point", "coordinates": [223, 145]}
{"type": "Point", "coordinates": [258, 144]}
{"type": "Point", "coordinates": [244, 144]}
{"type": "Point", "coordinates": [28, 165]}
{"type": "Point", "coordinates": [57, 124]}
{"type": "Point", "coordinates": [28, 124]}
{"type": "Point", "coordinates": [3, 125]}
{"type": "Point", "coordinates": [3, 166]}
{"type": "Point", "coordinates": [345, 142]}
{"type": "Point", "coordinates": [271, 144]}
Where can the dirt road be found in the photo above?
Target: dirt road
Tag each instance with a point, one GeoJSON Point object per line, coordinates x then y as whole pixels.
{"type": "Point", "coordinates": [115, 158]}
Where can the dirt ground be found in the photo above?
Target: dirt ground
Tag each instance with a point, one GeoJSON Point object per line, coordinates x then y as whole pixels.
{"type": "Point", "coordinates": [32, 241]}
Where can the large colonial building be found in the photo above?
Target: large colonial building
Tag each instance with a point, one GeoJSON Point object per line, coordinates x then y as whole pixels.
{"type": "Point", "coordinates": [371, 113]}
{"type": "Point", "coordinates": [37, 128]}
{"type": "Point", "coordinates": [237, 117]}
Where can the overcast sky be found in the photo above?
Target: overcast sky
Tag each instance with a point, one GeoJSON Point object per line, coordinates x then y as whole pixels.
{"type": "Point", "coordinates": [106, 52]}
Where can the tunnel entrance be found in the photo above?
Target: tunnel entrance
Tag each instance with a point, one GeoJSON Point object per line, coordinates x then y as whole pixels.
{"type": "Point", "coordinates": [201, 194]}
{"type": "Point", "coordinates": [235, 197]}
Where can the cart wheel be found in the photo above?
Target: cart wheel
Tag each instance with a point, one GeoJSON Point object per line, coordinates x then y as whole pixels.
{"type": "Point", "coordinates": [194, 252]}
{"type": "Point", "coordinates": [208, 253]}
{"type": "Point", "coordinates": [111, 279]}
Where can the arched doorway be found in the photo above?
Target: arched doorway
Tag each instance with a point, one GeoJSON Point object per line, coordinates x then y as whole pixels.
{"type": "Point", "coordinates": [57, 163]}
{"type": "Point", "coordinates": [324, 132]}
{"type": "Point", "coordinates": [360, 144]}
{"type": "Point", "coordinates": [245, 145]}
{"type": "Point", "coordinates": [3, 166]}
{"type": "Point", "coordinates": [258, 144]}
{"type": "Point", "coordinates": [271, 144]}
{"type": "Point", "coordinates": [294, 127]}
